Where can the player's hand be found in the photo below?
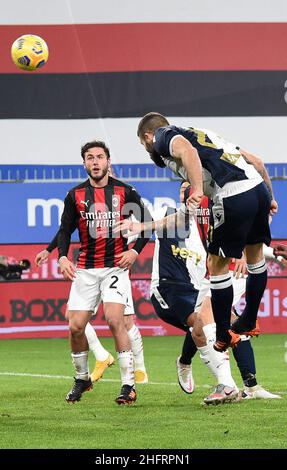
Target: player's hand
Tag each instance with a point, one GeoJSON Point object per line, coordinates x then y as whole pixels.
{"type": "Point", "coordinates": [273, 207]}
{"type": "Point", "coordinates": [128, 228]}
{"type": "Point", "coordinates": [41, 257]}
{"type": "Point", "coordinates": [240, 268]}
{"type": "Point", "coordinates": [126, 259]}
{"type": "Point", "coordinates": [282, 262]}
{"type": "Point", "coordinates": [67, 268]}
{"type": "Point", "coordinates": [280, 250]}
{"type": "Point", "coordinates": [194, 200]}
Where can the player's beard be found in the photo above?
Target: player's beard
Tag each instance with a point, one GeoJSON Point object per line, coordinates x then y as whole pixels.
{"type": "Point", "coordinates": [156, 158]}
{"type": "Point", "coordinates": [100, 175]}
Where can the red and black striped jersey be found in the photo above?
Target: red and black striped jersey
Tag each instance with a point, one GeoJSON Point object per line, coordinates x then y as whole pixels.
{"type": "Point", "coordinates": [203, 219]}
{"type": "Point", "coordinates": [94, 211]}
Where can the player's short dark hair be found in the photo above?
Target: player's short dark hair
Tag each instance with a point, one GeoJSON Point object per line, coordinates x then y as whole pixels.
{"type": "Point", "coordinates": [150, 122]}
{"type": "Point", "coordinates": [95, 143]}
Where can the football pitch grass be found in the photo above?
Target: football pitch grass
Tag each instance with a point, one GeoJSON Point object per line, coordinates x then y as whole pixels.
{"type": "Point", "coordinates": [34, 414]}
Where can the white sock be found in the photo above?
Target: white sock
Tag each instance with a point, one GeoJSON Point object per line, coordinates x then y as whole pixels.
{"type": "Point", "coordinates": [217, 362]}
{"type": "Point", "coordinates": [125, 359]}
{"type": "Point", "coordinates": [80, 362]}
{"type": "Point", "coordinates": [137, 347]}
{"type": "Point", "coordinates": [100, 353]}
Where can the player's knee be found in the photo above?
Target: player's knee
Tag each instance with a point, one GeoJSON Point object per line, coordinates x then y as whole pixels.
{"type": "Point", "coordinates": [129, 322]}
{"type": "Point", "coordinates": [67, 314]}
{"type": "Point", "coordinates": [198, 337]}
{"type": "Point", "coordinates": [76, 330]}
{"type": "Point", "coordinates": [115, 323]}
{"type": "Point", "coordinates": [217, 264]}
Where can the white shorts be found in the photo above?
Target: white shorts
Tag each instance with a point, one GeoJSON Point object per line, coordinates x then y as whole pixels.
{"type": "Point", "coordinates": [239, 287]}
{"type": "Point", "coordinates": [129, 310]}
{"type": "Point", "coordinates": [90, 286]}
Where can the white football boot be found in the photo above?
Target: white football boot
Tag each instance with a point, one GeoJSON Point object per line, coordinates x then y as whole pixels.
{"type": "Point", "coordinates": [184, 375]}
{"type": "Point", "coordinates": [257, 392]}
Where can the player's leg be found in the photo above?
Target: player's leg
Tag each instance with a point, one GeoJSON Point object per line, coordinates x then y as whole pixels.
{"type": "Point", "coordinates": [114, 288]}
{"type": "Point", "coordinates": [221, 298]}
{"type": "Point", "coordinates": [255, 285]}
{"type": "Point", "coordinates": [114, 314]}
{"type": "Point", "coordinates": [184, 364]}
{"type": "Point", "coordinates": [182, 300]}
{"type": "Point", "coordinates": [81, 303]}
{"type": "Point", "coordinates": [204, 335]}
{"type": "Point", "coordinates": [245, 359]}
{"type": "Point", "coordinates": [231, 219]}
{"type": "Point", "coordinates": [189, 348]}
{"type": "Point", "coordinates": [258, 234]}
{"type": "Point", "coordinates": [244, 354]}
{"type": "Point", "coordinates": [103, 358]}
{"type": "Point", "coordinates": [79, 354]}
{"type": "Point", "coordinates": [95, 346]}
{"type": "Point", "coordinates": [135, 336]}
{"type": "Point", "coordinates": [174, 304]}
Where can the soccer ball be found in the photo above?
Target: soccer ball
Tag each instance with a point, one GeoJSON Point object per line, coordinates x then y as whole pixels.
{"type": "Point", "coordinates": [29, 52]}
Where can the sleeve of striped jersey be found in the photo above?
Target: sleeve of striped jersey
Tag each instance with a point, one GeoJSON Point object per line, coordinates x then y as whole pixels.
{"type": "Point", "coordinates": [145, 216]}
{"type": "Point", "coordinates": [54, 243]}
{"type": "Point", "coordinates": [68, 225]}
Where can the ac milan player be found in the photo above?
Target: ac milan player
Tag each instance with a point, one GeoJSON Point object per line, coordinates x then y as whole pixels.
{"type": "Point", "coordinates": [102, 267]}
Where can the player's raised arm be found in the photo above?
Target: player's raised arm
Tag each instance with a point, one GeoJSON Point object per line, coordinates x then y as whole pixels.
{"type": "Point", "coordinates": [260, 167]}
{"type": "Point", "coordinates": [130, 228]}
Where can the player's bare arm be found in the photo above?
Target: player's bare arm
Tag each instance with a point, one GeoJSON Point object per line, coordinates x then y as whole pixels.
{"type": "Point", "coordinates": [183, 150]}
{"type": "Point", "coordinates": [129, 228]}
{"type": "Point", "coordinates": [260, 167]}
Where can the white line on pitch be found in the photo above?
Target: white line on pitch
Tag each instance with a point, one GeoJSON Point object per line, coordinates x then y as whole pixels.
{"type": "Point", "coordinates": [67, 377]}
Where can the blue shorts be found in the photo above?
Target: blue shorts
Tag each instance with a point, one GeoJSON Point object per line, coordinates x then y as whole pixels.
{"type": "Point", "coordinates": [240, 220]}
{"type": "Point", "coordinates": [173, 303]}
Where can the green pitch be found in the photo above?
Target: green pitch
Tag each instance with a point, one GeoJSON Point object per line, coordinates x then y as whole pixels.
{"type": "Point", "coordinates": [34, 414]}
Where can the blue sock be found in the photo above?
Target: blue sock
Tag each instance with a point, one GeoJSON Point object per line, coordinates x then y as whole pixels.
{"type": "Point", "coordinates": [255, 286]}
{"type": "Point", "coordinates": [221, 300]}
{"type": "Point", "coordinates": [245, 360]}
{"type": "Point", "coordinates": [189, 349]}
